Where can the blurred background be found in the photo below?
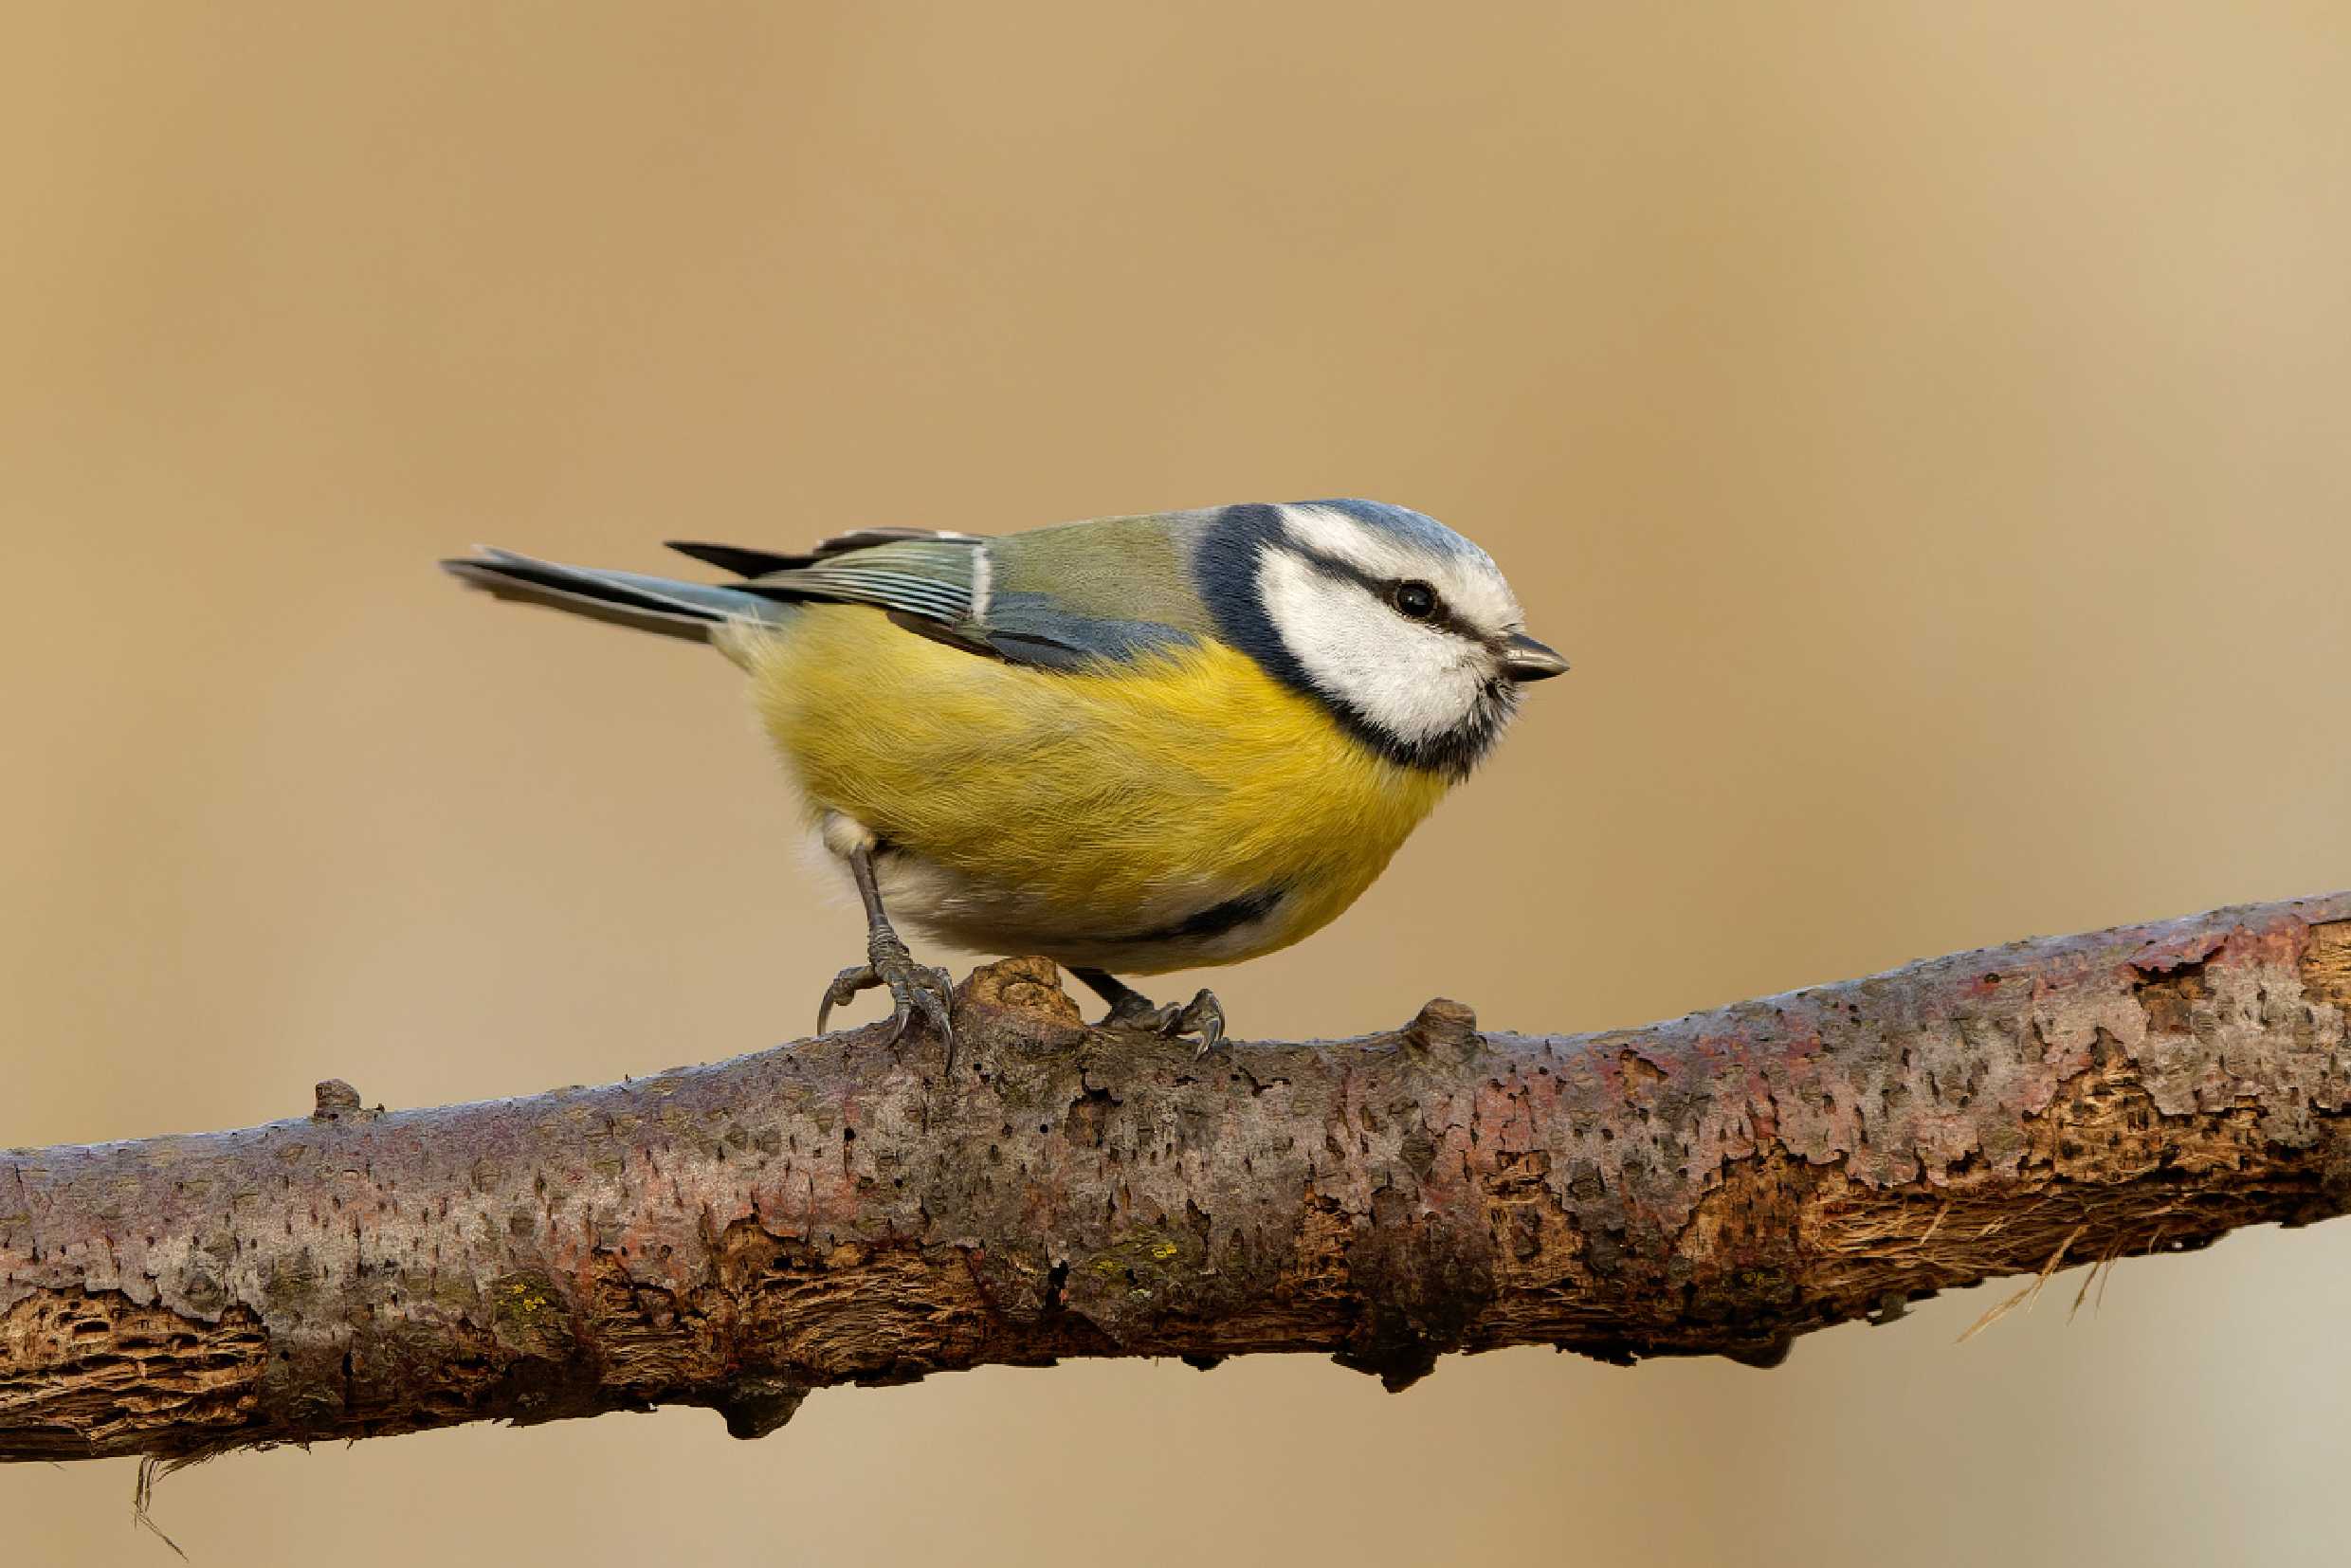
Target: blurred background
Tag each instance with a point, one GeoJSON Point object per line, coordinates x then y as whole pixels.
{"type": "Point", "coordinates": [1926, 428]}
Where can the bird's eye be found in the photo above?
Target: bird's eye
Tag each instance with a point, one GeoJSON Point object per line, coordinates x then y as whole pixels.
{"type": "Point", "coordinates": [1413, 599]}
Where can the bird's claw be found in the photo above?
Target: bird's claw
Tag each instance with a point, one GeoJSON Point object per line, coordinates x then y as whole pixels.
{"type": "Point", "coordinates": [1203, 1016]}
{"type": "Point", "coordinates": [913, 987]}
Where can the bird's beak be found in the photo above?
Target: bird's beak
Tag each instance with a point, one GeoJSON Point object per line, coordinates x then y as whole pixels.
{"type": "Point", "coordinates": [1524, 658]}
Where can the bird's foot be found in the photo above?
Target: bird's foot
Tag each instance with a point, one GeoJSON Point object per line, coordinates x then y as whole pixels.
{"type": "Point", "coordinates": [1203, 1016]}
{"type": "Point", "coordinates": [913, 987]}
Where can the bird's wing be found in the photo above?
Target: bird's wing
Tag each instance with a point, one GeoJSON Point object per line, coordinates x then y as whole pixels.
{"type": "Point", "coordinates": [759, 564]}
{"type": "Point", "coordinates": [1081, 594]}
{"type": "Point", "coordinates": [1058, 598]}
{"type": "Point", "coordinates": [934, 578]}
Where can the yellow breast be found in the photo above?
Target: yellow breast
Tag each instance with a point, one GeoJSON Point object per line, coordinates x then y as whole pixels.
{"type": "Point", "coordinates": [1086, 816]}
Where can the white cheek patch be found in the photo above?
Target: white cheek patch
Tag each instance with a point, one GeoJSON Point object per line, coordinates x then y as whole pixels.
{"type": "Point", "coordinates": [1417, 683]}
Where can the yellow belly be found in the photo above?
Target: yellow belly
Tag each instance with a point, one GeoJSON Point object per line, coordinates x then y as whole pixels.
{"type": "Point", "coordinates": [1082, 815]}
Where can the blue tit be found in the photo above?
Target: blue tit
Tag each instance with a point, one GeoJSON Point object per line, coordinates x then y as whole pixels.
{"type": "Point", "coordinates": [1132, 744]}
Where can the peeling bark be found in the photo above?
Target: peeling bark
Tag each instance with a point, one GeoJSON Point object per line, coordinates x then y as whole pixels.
{"type": "Point", "coordinates": [841, 1211]}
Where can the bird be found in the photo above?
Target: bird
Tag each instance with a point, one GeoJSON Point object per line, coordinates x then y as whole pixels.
{"type": "Point", "coordinates": [1131, 744]}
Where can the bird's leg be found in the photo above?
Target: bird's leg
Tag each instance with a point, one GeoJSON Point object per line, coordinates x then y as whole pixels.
{"type": "Point", "coordinates": [1131, 1008]}
{"type": "Point", "coordinates": [887, 964]}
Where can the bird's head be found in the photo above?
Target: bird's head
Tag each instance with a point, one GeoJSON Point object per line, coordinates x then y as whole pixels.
{"type": "Point", "coordinates": [1402, 628]}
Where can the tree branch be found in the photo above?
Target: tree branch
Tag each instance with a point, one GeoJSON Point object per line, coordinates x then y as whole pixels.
{"type": "Point", "coordinates": [842, 1212]}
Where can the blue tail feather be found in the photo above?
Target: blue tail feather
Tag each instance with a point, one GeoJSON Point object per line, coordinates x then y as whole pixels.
{"type": "Point", "coordinates": [662, 605]}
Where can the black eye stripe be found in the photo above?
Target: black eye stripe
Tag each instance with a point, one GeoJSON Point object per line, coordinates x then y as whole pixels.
{"type": "Point", "coordinates": [1383, 590]}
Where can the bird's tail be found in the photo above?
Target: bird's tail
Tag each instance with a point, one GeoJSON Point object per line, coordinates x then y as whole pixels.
{"type": "Point", "coordinates": [696, 611]}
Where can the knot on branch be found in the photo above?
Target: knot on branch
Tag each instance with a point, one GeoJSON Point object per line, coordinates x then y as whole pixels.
{"type": "Point", "coordinates": [755, 1405]}
{"type": "Point", "coordinates": [1443, 1029]}
{"type": "Point", "coordinates": [1022, 985]}
{"type": "Point", "coordinates": [336, 1101]}
{"type": "Point", "coordinates": [1017, 1006]}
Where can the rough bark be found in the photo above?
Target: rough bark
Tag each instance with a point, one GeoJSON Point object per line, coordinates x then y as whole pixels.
{"type": "Point", "coordinates": [843, 1210]}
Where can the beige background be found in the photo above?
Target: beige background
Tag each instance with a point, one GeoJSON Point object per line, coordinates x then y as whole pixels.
{"type": "Point", "coordinates": [1924, 425]}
